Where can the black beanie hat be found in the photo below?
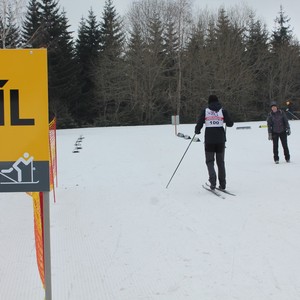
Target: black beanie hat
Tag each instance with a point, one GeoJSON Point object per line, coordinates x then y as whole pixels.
{"type": "Point", "coordinates": [212, 98]}
{"type": "Point", "coordinates": [273, 103]}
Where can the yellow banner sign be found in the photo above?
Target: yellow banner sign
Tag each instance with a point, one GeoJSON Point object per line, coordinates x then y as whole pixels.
{"type": "Point", "coordinates": [24, 154]}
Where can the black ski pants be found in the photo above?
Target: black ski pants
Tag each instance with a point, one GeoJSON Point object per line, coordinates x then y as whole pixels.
{"type": "Point", "coordinates": [216, 152]}
{"type": "Point", "coordinates": [283, 138]}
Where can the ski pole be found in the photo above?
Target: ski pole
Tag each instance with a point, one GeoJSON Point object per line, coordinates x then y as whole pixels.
{"type": "Point", "coordinates": [181, 160]}
{"type": "Point", "coordinates": [292, 114]}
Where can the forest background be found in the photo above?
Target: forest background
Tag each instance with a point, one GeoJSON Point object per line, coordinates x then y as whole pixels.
{"type": "Point", "coordinates": [158, 60]}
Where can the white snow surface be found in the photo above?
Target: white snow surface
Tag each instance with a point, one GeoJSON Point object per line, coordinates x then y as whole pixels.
{"type": "Point", "coordinates": [117, 232]}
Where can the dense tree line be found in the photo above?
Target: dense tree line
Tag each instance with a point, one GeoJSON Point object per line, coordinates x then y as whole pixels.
{"type": "Point", "coordinates": [159, 60]}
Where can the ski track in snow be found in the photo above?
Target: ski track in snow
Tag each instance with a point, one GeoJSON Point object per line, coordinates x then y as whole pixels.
{"type": "Point", "coordinates": [117, 233]}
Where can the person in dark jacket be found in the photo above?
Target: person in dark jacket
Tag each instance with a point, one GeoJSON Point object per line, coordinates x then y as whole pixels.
{"type": "Point", "coordinates": [278, 128]}
{"type": "Point", "coordinates": [214, 117]}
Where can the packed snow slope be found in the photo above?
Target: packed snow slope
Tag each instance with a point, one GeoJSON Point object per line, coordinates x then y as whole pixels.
{"type": "Point", "coordinates": [117, 232]}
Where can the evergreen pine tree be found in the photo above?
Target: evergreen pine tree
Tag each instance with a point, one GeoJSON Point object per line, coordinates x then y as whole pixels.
{"type": "Point", "coordinates": [283, 70]}
{"type": "Point", "coordinates": [258, 60]}
{"type": "Point", "coordinates": [282, 33]}
{"type": "Point", "coordinates": [32, 25]}
{"type": "Point", "coordinates": [63, 88]}
{"type": "Point", "coordinates": [155, 60]}
{"type": "Point", "coordinates": [135, 61]}
{"type": "Point", "coordinates": [87, 54]}
{"type": "Point", "coordinates": [171, 66]}
{"type": "Point", "coordinates": [229, 73]}
{"type": "Point", "coordinates": [196, 71]}
{"type": "Point", "coordinates": [112, 36]}
{"type": "Point", "coordinates": [111, 80]}
{"type": "Point", "coordinates": [66, 70]}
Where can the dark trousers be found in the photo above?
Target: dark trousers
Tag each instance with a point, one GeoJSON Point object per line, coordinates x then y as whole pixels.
{"type": "Point", "coordinates": [212, 152]}
{"type": "Point", "coordinates": [283, 138]}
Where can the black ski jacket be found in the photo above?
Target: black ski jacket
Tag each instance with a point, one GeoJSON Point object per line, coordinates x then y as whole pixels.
{"type": "Point", "coordinates": [277, 122]}
{"type": "Point", "coordinates": [214, 135]}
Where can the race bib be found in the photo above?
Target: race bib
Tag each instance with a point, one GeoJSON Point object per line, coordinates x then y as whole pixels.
{"type": "Point", "coordinates": [214, 118]}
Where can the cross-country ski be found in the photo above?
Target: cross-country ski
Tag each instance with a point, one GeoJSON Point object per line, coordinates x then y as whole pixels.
{"type": "Point", "coordinates": [221, 190]}
{"type": "Point", "coordinates": [226, 192]}
{"type": "Point", "coordinates": [215, 192]}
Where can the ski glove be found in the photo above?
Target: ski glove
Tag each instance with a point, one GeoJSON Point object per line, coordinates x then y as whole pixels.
{"type": "Point", "coordinates": [288, 131]}
{"type": "Point", "coordinates": [270, 136]}
{"type": "Point", "coordinates": [197, 131]}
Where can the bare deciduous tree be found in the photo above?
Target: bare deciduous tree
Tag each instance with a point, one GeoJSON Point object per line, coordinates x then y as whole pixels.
{"type": "Point", "coordinates": [11, 14]}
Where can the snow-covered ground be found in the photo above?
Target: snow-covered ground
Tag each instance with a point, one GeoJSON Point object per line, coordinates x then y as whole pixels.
{"type": "Point", "coordinates": [117, 233]}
